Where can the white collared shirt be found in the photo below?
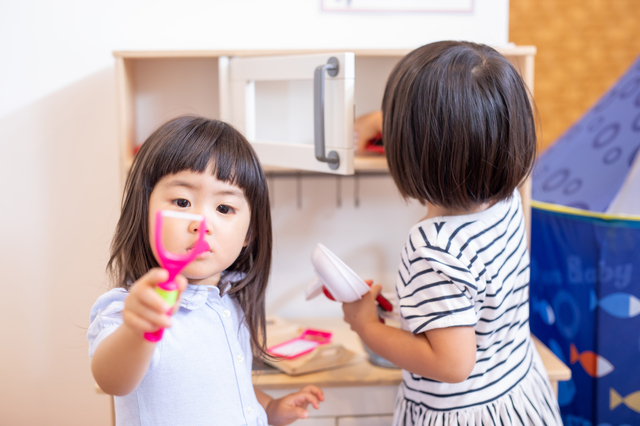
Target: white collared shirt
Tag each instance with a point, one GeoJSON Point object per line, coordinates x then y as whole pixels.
{"type": "Point", "coordinates": [200, 373]}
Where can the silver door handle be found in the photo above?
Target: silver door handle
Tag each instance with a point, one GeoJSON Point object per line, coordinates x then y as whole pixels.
{"type": "Point", "coordinates": [332, 66]}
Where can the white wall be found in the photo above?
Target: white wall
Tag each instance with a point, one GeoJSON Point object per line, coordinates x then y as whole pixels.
{"type": "Point", "coordinates": [59, 170]}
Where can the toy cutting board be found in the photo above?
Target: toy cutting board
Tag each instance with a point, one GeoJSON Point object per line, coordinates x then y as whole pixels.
{"type": "Point", "coordinates": [324, 357]}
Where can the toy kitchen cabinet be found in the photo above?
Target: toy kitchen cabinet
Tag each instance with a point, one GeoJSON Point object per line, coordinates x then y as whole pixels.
{"type": "Point", "coordinates": [296, 107]}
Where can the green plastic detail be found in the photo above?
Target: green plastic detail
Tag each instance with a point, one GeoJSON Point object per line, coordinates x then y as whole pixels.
{"type": "Point", "coordinates": [169, 296]}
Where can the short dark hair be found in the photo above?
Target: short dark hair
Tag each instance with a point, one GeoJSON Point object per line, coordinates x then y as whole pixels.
{"type": "Point", "coordinates": [458, 125]}
{"type": "Point", "coordinates": [193, 143]}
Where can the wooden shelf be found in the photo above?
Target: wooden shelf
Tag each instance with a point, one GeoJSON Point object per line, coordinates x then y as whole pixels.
{"type": "Point", "coordinates": [365, 164]}
{"type": "Point", "coordinates": [172, 54]}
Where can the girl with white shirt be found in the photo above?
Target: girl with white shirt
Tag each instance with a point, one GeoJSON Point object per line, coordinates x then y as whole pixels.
{"type": "Point", "coordinates": [199, 373]}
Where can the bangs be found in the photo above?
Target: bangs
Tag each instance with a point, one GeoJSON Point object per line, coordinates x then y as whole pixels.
{"type": "Point", "coordinates": [194, 144]}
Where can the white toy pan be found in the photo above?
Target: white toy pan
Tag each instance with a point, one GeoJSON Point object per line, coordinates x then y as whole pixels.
{"type": "Point", "coordinates": [335, 276]}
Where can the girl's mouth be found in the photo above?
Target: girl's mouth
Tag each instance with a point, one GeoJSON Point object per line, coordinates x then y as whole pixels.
{"type": "Point", "coordinates": [203, 254]}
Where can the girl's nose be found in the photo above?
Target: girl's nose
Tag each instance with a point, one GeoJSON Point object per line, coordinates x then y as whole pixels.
{"type": "Point", "coordinates": [194, 227]}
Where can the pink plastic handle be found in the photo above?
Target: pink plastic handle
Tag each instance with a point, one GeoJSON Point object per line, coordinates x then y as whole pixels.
{"type": "Point", "coordinates": [172, 262]}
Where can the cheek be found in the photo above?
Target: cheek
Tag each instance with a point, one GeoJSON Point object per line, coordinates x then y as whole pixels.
{"type": "Point", "coordinates": [152, 237]}
{"type": "Point", "coordinates": [238, 240]}
{"type": "Point", "coordinates": [172, 237]}
{"type": "Point", "coordinates": [153, 207]}
{"type": "Point", "coordinates": [242, 229]}
{"type": "Point", "coordinates": [170, 241]}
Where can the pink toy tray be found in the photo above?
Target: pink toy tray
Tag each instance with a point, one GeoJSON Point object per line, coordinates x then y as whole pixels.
{"type": "Point", "coordinates": [303, 344]}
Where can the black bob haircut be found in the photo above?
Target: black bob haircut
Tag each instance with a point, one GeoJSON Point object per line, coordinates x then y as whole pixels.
{"type": "Point", "coordinates": [458, 125]}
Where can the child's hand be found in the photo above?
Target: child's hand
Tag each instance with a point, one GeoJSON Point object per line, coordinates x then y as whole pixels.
{"type": "Point", "coordinates": [365, 128]}
{"type": "Point", "coordinates": [292, 407]}
{"type": "Point", "coordinates": [144, 309]}
{"type": "Point", "coordinates": [362, 312]}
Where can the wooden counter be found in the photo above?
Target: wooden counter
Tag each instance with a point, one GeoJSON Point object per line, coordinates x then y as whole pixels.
{"type": "Point", "coordinates": [362, 373]}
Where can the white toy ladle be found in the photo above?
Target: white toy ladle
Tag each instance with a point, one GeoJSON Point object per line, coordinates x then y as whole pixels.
{"type": "Point", "coordinates": [333, 274]}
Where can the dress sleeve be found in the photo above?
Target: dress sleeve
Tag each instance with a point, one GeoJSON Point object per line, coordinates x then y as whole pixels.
{"type": "Point", "coordinates": [106, 316]}
{"type": "Point", "coordinates": [436, 291]}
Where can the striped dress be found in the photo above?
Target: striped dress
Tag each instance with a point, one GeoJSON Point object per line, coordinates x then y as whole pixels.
{"type": "Point", "coordinates": [473, 270]}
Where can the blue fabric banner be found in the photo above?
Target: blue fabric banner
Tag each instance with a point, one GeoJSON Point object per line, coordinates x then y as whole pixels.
{"type": "Point", "coordinates": [585, 306]}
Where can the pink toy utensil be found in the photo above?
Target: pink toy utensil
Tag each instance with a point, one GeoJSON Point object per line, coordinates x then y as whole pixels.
{"type": "Point", "coordinates": [174, 263]}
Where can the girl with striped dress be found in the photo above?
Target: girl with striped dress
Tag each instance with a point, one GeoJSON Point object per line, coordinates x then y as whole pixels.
{"type": "Point", "coordinates": [459, 136]}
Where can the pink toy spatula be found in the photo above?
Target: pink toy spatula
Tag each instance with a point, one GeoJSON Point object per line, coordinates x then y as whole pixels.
{"type": "Point", "coordinates": [174, 263]}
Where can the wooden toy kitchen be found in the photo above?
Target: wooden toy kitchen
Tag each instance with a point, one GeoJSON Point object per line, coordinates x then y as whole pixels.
{"type": "Point", "coordinates": [297, 108]}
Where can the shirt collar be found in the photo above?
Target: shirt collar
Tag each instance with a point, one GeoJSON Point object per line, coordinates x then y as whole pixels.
{"type": "Point", "coordinates": [196, 295]}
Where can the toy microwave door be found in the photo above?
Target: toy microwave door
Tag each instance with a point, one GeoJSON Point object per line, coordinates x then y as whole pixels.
{"type": "Point", "coordinates": [296, 110]}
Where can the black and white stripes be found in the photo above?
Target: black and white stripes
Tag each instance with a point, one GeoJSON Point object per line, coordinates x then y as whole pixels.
{"type": "Point", "coordinates": [473, 270]}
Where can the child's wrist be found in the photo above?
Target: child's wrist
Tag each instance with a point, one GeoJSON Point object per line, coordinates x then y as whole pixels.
{"type": "Point", "coordinates": [367, 329]}
{"type": "Point", "coordinates": [268, 407]}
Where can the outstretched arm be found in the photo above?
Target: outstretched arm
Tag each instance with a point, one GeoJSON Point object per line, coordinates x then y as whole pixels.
{"type": "Point", "coordinates": [289, 408]}
{"type": "Point", "coordinates": [121, 360]}
{"type": "Point", "coordinates": [445, 354]}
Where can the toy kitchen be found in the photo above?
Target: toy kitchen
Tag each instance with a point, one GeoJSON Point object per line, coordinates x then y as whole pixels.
{"type": "Point", "coordinates": [297, 108]}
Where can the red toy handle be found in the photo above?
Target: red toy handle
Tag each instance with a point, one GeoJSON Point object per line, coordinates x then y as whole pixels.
{"type": "Point", "coordinates": [375, 144]}
{"type": "Point", "coordinates": [326, 293]}
{"type": "Point", "coordinates": [382, 301]}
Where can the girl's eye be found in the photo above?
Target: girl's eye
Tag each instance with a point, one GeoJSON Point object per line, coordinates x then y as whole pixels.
{"type": "Point", "coordinates": [181, 202]}
{"type": "Point", "coordinates": [225, 209]}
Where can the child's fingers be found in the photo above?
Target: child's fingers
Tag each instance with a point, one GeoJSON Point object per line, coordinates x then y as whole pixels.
{"type": "Point", "coordinates": [139, 323]}
{"type": "Point", "coordinates": [145, 310]}
{"type": "Point", "coordinates": [145, 289]}
{"type": "Point", "coordinates": [376, 290]}
{"type": "Point", "coordinates": [149, 297]}
{"type": "Point", "coordinates": [309, 395]}
{"type": "Point", "coordinates": [300, 413]}
{"type": "Point", "coordinates": [315, 391]}
{"type": "Point", "coordinates": [182, 283]}
{"type": "Point", "coordinates": [309, 398]}
{"type": "Point", "coordinates": [157, 318]}
{"type": "Point", "coordinates": [154, 276]}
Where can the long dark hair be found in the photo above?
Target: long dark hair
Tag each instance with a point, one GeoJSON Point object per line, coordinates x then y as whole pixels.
{"type": "Point", "coordinates": [458, 125]}
{"type": "Point", "coordinates": [193, 143]}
